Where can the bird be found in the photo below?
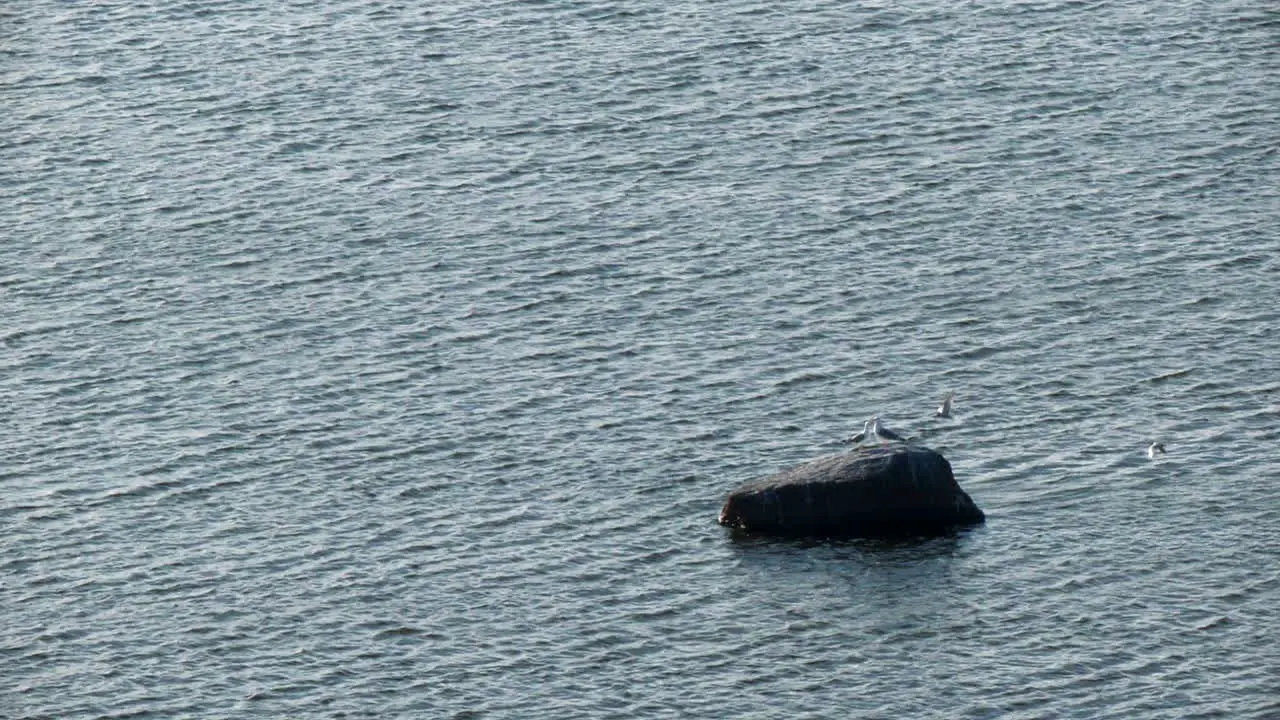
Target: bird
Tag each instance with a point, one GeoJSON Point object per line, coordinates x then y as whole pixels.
{"type": "Point", "coordinates": [873, 428]}
{"type": "Point", "coordinates": [1154, 448]}
{"type": "Point", "coordinates": [944, 410]}
{"type": "Point", "coordinates": [883, 432]}
{"type": "Point", "coordinates": [866, 431]}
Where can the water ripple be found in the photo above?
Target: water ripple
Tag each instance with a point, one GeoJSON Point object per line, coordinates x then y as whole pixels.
{"type": "Point", "coordinates": [366, 359]}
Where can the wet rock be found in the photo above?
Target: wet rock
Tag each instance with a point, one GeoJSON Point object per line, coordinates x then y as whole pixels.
{"type": "Point", "coordinates": [876, 491]}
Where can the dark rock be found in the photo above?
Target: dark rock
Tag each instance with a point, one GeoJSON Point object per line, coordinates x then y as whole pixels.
{"type": "Point", "coordinates": [878, 491]}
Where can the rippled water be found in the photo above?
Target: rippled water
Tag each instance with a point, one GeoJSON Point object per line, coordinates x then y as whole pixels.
{"type": "Point", "coordinates": [372, 360]}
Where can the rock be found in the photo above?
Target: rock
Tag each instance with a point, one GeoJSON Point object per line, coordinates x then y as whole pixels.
{"type": "Point", "coordinates": [878, 491]}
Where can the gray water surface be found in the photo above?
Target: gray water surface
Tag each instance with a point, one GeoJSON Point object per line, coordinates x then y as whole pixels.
{"type": "Point", "coordinates": [376, 360]}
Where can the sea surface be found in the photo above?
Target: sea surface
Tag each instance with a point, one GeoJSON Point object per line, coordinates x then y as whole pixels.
{"type": "Point", "coordinates": [363, 359]}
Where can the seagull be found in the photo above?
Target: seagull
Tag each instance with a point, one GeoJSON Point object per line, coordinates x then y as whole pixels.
{"type": "Point", "coordinates": [866, 430]}
{"type": "Point", "coordinates": [873, 428]}
{"type": "Point", "coordinates": [944, 410]}
{"type": "Point", "coordinates": [1155, 448]}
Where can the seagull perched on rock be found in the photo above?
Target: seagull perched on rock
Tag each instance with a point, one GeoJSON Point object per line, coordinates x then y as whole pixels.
{"type": "Point", "coordinates": [1155, 448]}
{"type": "Point", "coordinates": [864, 434]}
{"type": "Point", "coordinates": [873, 428]}
{"type": "Point", "coordinates": [944, 410]}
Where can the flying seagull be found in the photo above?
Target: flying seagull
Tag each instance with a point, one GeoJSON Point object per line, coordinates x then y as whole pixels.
{"type": "Point", "coordinates": [944, 410]}
{"type": "Point", "coordinates": [873, 428]}
{"type": "Point", "coordinates": [1155, 448]}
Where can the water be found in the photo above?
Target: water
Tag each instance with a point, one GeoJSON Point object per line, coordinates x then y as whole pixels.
{"type": "Point", "coordinates": [366, 360]}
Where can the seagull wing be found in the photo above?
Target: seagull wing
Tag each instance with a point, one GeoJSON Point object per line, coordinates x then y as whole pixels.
{"type": "Point", "coordinates": [885, 432]}
{"type": "Point", "coordinates": [944, 410]}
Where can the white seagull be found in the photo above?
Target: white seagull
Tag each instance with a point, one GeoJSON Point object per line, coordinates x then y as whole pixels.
{"type": "Point", "coordinates": [873, 428]}
{"type": "Point", "coordinates": [866, 431]}
{"type": "Point", "coordinates": [944, 410]}
{"type": "Point", "coordinates": [1155, 448]}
